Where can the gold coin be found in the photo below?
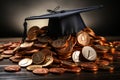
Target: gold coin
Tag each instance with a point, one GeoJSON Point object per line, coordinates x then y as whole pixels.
{"type": "Point", "coordinates": [59, 43]}
{"type": "Point", "coordinates": [32, 33]}
{"type": "Point", "coordinates": [32, 67]}
{"type": "Point", "coordinates": [90, 31]}
{"type": "Point", "coordinates": [6, 56]}
{"type": "Point", "coordinates": [1, 57]}
{"type": "Point", "coordinates": [1, 50]}
{"type": "Point", "coordinates": [83, 38]}
{"type": "Point", "coordinates": [26, 44]}
{"type": "Point", "coordinates": [101, 47]}
{"type": "Point", "coordinates": [38, 57]}
{"type": "Point", "coordinates": [48, 61]}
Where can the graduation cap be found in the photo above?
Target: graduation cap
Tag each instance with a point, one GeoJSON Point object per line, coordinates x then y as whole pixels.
{"type": "Point", "coordinates": [63, 22]}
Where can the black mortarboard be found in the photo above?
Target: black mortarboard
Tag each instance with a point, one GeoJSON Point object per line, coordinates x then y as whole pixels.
{"type": "Point", "coordinates": [64, 22]}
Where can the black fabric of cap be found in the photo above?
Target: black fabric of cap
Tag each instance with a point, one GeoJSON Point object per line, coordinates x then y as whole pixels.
{"type": "Point", "coordinates": [64, 22]}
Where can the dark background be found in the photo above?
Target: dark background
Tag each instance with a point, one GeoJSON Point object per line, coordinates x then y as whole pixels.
{"type": "Point", "coordinates": [104, 22]}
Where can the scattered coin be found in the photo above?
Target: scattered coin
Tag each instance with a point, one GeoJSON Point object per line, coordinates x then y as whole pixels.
{"type": "Point", "coordinates": [32, 67]}
{"type": "Point", "coordinates": [102, 62]}
{"type": "Point", "coordinates": [12, 68]}
{"type": "Point", "coordinates": [1, 57]}
{"type": "Point", "coordinates": [59, 43]}
{"type": "Point", "coordinates": [1, 50]}
{"type": "Point", "coordinates": [106, 67]}
{"type": "Point", "coordinates": [89, 66]}
{"type": "Point", "coordinates": [75, 69]}
{"type": "Point", "coordinates": [41, 71]}
{"type": "Point", "coordinates": [6, 56]}
{"type": "Point", "coordinates": [25, 62]}
{"type": "Point", "coordinates": [48, 61]}
{"type": "Point", "coordinates": [57, 70]}
{"type": "Point", "coordinates": [15, 59]}
{"type": "Point", "coordinates": [90, 31]}
{"type": "Point", "coordinates": [68, 63]}
{"type": "Point", "coordinates": [8, 52]}
{"type": "Point", "coordinates": [26, 44]}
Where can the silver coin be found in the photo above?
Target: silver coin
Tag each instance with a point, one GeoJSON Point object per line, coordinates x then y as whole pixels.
{"type": "Point", "coordinates": [75, 56]}
{"type": "Point", "coordinates": [89, 53]}
{"type": "Point", "coordinates": [25, 62]}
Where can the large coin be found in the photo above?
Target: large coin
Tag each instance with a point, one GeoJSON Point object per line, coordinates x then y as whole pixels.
{"type": "Point", "coordinates": [32, 33]}
{"type": "Point", "coordinates": [25, 62]}
{"type": "Point", "coordinates": [38, 57]}
{"type": "Point", "coordinates": [83, 38]}
{"type": "Point", "coordinates": [89, 53]}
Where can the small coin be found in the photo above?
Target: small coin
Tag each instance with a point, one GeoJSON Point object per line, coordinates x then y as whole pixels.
{"type": "Point", "coordinates": [89, 66]}
{"type": "Point", "coordinates": [1, 50]}
{"type": "Point", "coordinates": [6, 56]}
{"type": "Point", "coordinates": [1, 57]}
{"type": "Point", "coordinates": [25, 62]}
{"type": "Point", "coordinates": [102, 62]}
{"type": "Point", "coordinates": [12, 68]}
{"type": "Point", "coordinates": [89, 53]}
{"type": "Point", "coordinates": [101, 38]}
{"type": "Point", "coordinates": [90, 31]}
{"type": "Point", "coordinates": [59, 43]}
{"type": "Point", "coordinates": [44, 39]}
{"type": "Point", "coordinates": [40, 45]}
{"type": "Point", "coordinates": [32, 33]}
{"type": "Point", "coordinates": [15, 59]}
{"type": "Point", "coordinates": [106, 67]}
{"type": "Point", "coordinates": [7, 44]}
{"type": "Point", "coordinates": [57, 70]}
{"type": "Point", "coordinates": [32, 67]}
{"type": "Point", "coordinates": [38, 57]}
{"type": "Point", "coordinates": [26, 44]}
{"type": "Point", "coordinates": [8, 52]}
{"type": "Point", "coordinates": [75, 69]}
{"type": "Point", "coordinates": [75, 56]}
{"type": "Point", "coordinates": [69, 48]}
{"type": "Point", "coordinates": [31, 51]}
{"type": "Point", "coordinates": [83, 38]}
{"type": "Point", "coordinates": [48, 61]}
{"type": "Point", "coordinates": [1, 46]}
{"type": "Point", "coordinates": [68, 63]}
{"type": "Point", "coordinates": [40, 71]}
{"type": "Point", "coordinates": [101, 47]}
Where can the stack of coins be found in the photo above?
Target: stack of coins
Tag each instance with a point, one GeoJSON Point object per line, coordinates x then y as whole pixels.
{"type": "Point", "coordinates": [42, 53]}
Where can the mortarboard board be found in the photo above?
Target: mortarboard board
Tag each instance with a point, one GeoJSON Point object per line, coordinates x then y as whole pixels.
{"type": "Point", "coordinates": [63, 22]}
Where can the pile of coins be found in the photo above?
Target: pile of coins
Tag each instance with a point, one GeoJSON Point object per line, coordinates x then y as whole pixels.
{"type": "Point", "coordinates": [42, 53]}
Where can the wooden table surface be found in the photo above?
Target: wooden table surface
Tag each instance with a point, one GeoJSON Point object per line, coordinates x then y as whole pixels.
{"type": "Point", "coordinates": [26, 75]}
